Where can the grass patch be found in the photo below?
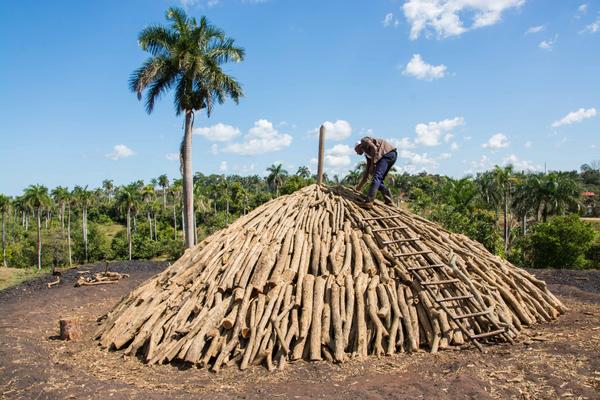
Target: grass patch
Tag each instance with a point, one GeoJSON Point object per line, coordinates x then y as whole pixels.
{"type": "Point", "coordinates": [13, 276]}
{"type": "Point", "coordinates": [110, 230]}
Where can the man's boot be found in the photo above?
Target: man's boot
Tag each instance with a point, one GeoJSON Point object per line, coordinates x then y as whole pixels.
{"type": "Point", "coordinates": [368, 203]}
{"type": "Point", "coordinates": [387, 196]}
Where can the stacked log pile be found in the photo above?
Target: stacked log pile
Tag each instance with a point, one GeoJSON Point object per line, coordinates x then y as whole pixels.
{"type": "Point", "coordinates": [100, 278]}
{"type": "Point", "coordinates": [302, 277]}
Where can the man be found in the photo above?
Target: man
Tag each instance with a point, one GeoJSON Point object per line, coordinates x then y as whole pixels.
{"type": "Point", "coordinates": [381, 157]}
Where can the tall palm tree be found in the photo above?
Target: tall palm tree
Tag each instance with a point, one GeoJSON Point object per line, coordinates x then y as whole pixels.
{"type": "Point", "coordinates": [108, 187]}
{"type": "Point", "coordinates": [127, 201]}
{"type": "Point", "coordinates": [4, 209]}
{"type": "Point", "coordinates": [276, 177]}
{"type": "Point", "coordinates": [187, 55]}
{"type": "Point", "coordinates": [503, 181]}
{"type": "Point", "coordinates": [83, 198]}
{"type": "Point", "coordinates": [175, 191]}
{"type": "Point", "coordinates": [148, 197]}
{"type": "Point", "coordinates": [61, 197]}
{"type": "Point", "coordinates": [163, 182]}
{"type": "Point", "coordinates": [38, 199]}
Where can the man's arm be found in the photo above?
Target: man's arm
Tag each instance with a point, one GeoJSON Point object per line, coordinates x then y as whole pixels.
{"type": "Point", "coordinates": [365, 175]}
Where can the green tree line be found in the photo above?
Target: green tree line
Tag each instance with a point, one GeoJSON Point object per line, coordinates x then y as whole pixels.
{"type": "Point", "coordinates": [518, 215]}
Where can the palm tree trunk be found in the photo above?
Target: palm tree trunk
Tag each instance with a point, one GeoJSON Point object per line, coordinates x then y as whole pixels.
{"type": "Point", "coordinates": [149, 223]}
{"type": "Point", "coordinates": [84, 227]}
{"type": "Point", "coordinates": [62, 219]}
{"type": "Point", "coordinates": [39, 239]}
{"type": "Point", "coordinates": [69, 236]}
{"type": "Point", "coordinates": [164, 198]}
{"type": "Point", "coordinates": [174, 220]}
{"type": "Point", "coordinates": [3, 242]}
{"type": "Point", "coordinates": [129, 231]}
{"type": "Point", "coordinates": [195, 229]}
{"type": "Point", "coordinates": [188, 184]}
{"type": "Point", "coordinates": [182, 225]}
{"type": "Point", "coordinates": [505, 222]}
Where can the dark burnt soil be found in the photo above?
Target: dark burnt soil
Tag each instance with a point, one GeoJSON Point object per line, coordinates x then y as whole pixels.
{"type": "Point", "coordinates": [555, 360]}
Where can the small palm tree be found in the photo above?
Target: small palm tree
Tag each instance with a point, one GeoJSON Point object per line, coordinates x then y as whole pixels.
{"type": "Point", "coordinates": [303, 172]}
{"type": "Point", "coordinates": [61, 197]}
{"type": "Point", "coordinates": [4, 209]}
{"type": "Point", "coordinates": [83, 197]}
{"type": "Point", "coordinates": [128, 198]}
{"type": "Point", "coordinates": [187, 55]}
{"type": "Point", "coordinates": [108, 187]}
{"type": "Point", "coordinates": [175, 191]}
{"type": "Point", "coordinates": [163, 182]}
{"type": "Point", "coordinates": [38, 199]}
{"type": "Point", "coordinates": [276, 177]}
{"type": "Point", "coordinates": [148, 197]}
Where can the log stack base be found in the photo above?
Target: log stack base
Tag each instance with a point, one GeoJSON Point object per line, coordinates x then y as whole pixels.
{"type": "Point", "coordinates": [302, 277]}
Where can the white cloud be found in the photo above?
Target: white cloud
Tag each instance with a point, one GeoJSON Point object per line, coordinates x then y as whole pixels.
{"type": "Point", "coordinates": [402, 143]}
{"type": "Point", "coordinates": [445, 17]}
{"type": "Point", "coordinates": [218, 133]}
{"type": "Point", "coordinates": [262, 138]}
{"type": "Point", "coordinates": [429, 134]}
{"type": "Point", "coordinates": [528, 144]}
{"type": "Point", "coordinates": [535, 29]}
{"type": "Point", "coordinates": [338, 130]}
{"type": "Point", "coordinates": [214, 148]}
{"type": "Point", "coordinates": [582, 9]}
{"type": "Point", "coordinates": [120, 151]}
{"type": "Point", "coordinates": [548, 44]}
{"type": "Point", "coordinates": [203, 3]}
{"type": "Point", "coordinates": [246, 169]}
{"type": "Point", "coordinates": [390, 20]}
{"type": "Point", "coordinates": [338, 156]}
{"type": "Point", "coordinates": [593, 27]}
{"type": "Point", "coordinates": [520, 164]}
{"type": "Point", "coordinates": [454, 146]}
{"type": "Point", "coordinates": [421, 70]}
{"type": "Point", "coordinates": [223, 167]}
{"type": "Point", "coordinates": [172, 156]}
{"type": "Point", "coordinates": [416, 162]}
{"type": "Point", "coordinates": [575, 117]}
{"type": "Point", "coordinates": [497, 141]}
{"type": "Point", "coordinates": [480, 165]}
{"type": "Point", "coordinates": [416, 158]}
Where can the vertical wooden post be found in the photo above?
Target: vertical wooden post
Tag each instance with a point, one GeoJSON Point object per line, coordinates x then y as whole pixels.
{"type": "Point", "coordinates": [321, 155]}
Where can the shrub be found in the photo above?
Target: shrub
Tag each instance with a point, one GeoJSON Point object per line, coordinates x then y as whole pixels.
{"type": "Point", "coordinates": [479, 225]}
{"type": "Point", "coordinates": [561, 242]}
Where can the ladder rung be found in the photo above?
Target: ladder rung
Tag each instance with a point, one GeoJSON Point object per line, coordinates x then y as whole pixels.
{"type": "Point", "coordinates": [440, 282]}
{"type": "Point", "coordinates": [468, 296]}
{"type": "Point", "coordinates": [380, 218]}
{"type": "Point", "coordinates": [393, 228]}
{"type": "Point", "coordinates": [414, 253]}
{"type": "Point", "coordinates": [475, 314]}
{"type": "Point", "coordinates": [425, 267]}
{"type": "Point", "coordinates": [488, 334]}
{"type": "Point", "coordinates": [401, 240]}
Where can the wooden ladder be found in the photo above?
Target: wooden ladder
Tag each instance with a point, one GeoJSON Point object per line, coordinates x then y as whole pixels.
{"type": "Point", "coordinates": [423, 275]}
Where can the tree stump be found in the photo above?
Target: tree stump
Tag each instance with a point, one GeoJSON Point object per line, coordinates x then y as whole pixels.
{"type": "Point", "coordinates": [69, 329]}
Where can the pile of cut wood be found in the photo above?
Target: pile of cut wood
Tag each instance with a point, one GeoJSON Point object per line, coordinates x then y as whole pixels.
{"type": "Point", "coordinates": [314, 276]}
{"type": "Point", "coordinates": [101, 278]}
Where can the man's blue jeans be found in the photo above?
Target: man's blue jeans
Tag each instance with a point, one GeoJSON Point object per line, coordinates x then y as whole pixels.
{"type": "Point", "coordinates": [382, 168]}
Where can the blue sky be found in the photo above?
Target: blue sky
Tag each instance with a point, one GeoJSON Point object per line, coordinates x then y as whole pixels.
{"type": "Point", "coordinates": [458, 85]}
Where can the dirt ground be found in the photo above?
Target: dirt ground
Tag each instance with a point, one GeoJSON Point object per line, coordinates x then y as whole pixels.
{"type": "Point", "coordinates": [556, 360]}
